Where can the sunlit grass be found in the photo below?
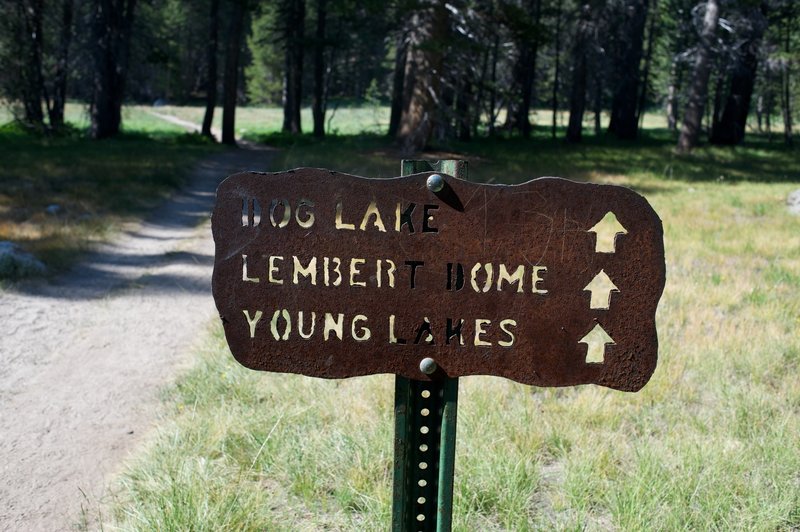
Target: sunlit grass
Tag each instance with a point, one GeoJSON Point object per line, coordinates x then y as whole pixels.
{"type": "Point", "coordinates": [709, 444]}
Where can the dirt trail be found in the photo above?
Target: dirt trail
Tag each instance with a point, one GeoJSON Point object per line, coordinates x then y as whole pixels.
{"type": "Point", "coordinates": [83, 357]}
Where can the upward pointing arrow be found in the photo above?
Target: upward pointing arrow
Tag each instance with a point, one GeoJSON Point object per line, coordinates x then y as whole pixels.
{"type": "Point", "coordinates": [607, 230]}
{"type": "Point", "coordinates": [601, 288]}
{"type": "Point", "coordinates": [596, 342]}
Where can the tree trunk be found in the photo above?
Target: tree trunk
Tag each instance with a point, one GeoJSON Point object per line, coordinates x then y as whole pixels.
{"type": "Point", "coordinates": [672, 97]}
{"type": "Point", "coordinates": [423, 75]}
{"type": "Point", "coordinates": [730, 129]}
{"type": "Point", "coordinates": [624, 122]}
{"type": "Point", "coordinates": [598, 102]}
{"type": "Point", "coordinates": [760, 113]}
{"type": "Point", "coordinates": [648, 57]}
{"type": "Point", "coordinates": [717, 107]}
{"type": "Point", "coordinates": [558, 67]}
{"type": "Point", "coordinates": [577, 98]}
{"type": "Point", "coordinates": [769, 108]}
{"type": "Point", "coordinates": [112, 26]}
{"type": "Point", "coordinates": [230, 83]}
{"type": "Point", "coordinates": [493, 86]}
{"type": "Point", "coordinates": [463, 118]}
{"type": "Point", "coordinates": [293, 81]}
{"type": "Point", "coordinates": [318, 106]}
{"type": "Point", "coordinates": [524, 73]}
{"type": "Point", "coordinates": [478, 104]}
{"type": "Point", "coordinates": [211, 58]}
{"type": "Point", "coordinates": [786, 95]}
{"type": "Point", "coordinates": [698, 90]}
{"type": "Point", "coordinates": [398, 81]}
{"type": "Point", "coordinates": [62, 67]}
{"type": "Point", "coordinates": [32, 81]}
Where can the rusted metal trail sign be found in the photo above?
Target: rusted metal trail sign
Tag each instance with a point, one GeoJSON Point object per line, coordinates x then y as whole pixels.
{"type": "Point", "coordinates": [550, 283]}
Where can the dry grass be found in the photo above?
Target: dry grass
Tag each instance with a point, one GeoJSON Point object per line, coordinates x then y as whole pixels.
{"type": "Point", "coordinates": [709, 444]}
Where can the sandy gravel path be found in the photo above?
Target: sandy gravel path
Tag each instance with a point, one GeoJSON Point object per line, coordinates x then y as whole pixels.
{"type": "Point", "coordinates": [83, 357]}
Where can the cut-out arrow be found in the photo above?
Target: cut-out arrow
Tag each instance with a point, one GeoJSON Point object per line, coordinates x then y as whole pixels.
{"type": "Point", "coordinates": [601, 288]}
{"type": "Point", "coordinates": [596, 341]}
{"type": "Point", "coordinates": [607, 230]}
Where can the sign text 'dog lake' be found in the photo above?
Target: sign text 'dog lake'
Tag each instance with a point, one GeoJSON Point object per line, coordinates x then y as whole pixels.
{"type": "Point", "coordinates": [550, 282]}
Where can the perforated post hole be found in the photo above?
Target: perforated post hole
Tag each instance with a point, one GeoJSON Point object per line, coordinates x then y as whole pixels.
{"type": "Point", "coordinates": [423, 404]}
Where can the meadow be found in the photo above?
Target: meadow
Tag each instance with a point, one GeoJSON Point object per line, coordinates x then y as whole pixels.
{"type": "Point", "coordinates": [709, 444]}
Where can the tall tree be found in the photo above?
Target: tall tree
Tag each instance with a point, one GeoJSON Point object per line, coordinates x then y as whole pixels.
{"type": "Point", "coordinates": [427, 35]}
{"type": "Point", "coordinates": [318, 104]}
{"type": "Point", "coordinates": [557, 68]}
{"type": "Point", "coordinates": [211, 68]}
{"type": "Point", "coordinates": [791, 10]}
{"type": "Point", "coordinates": [230, 83]}
{"type": "Point", "coordinates": [577, 99]}
{"type": "Point", "coordinates": [730, 128]}
{"type": "Point", "coordinates": [648, 60]}
{"type": "Point", "coordinates": [112, 27]}
{"type": "Point", "coordinates": [524, 23]}
{"type": "Point", "coordinates": [628, 55]}
{"type": "Point", "coordinates": [398, 81]}
{"type": "Point", "coordinates": [294, 16]}
{"type": "Point", "coordinates": [675, 19]}
{"type": "Point", "coordinates": [59, 97]}
{"type": "Point", "coordinates": [698, 90]}
{"type": "Point", "coordinates": [28, 39]}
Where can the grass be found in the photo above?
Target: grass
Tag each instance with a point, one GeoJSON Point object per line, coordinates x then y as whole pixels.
{"type": "Point", "coordinates": [95, 184]}
{"type": "Point", "coordinates": [709, 444]}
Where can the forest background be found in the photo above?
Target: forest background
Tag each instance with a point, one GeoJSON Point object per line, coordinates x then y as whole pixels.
{"type": "Point", "coordinates": [688, 102]}
{"type": "Point", "coordinates": [460, 69]}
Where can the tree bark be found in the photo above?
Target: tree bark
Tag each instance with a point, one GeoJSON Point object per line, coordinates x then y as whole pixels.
{"type": "Point", "coordinates": [493, 85]}
{"type": "Point", "coordinates": [478, 104]}
{"type": "Point", "coordinates": [524, 72]}
{"type": "Point", "coordinates": [398, 82]}
{"type": "Point", "coordinates": [624, 122]}
{"type": "Point", "coordinates": [318, 105]}
{"type": "Point", "coordinates": [786, 95]}
{"type": "Point", "coordinates": [648, 58]}
{"type": "Point", "coordinates": [598, 103]}
{"type": "Point", "coordinates": [211, 59]}
{"type": "Point", "coordinates": [717, 107]}
{"type": "Point", "coordinates": [112, 26]}
{"type": "Point", "coordinates": [56, 112]}
{"type": "Point", "coordinates": [698, 90]}
{"type": "Point", "coordinates": [230, 83]}
{"type": "Point", "coordinates": [294, 32]}
{"type": "Point", "coordinates": [463, 118]}
{"type": "Point", "coordinates": [423, 73]}
{"type": "Point", "coordinates": [730, 129]}
{"type": "Point", "coordinates": [577, 99]}
{"type": "Point", "coordinates": [558, 67]}
{"type": "Point", "coordinates": [30, 37]}
{"type": "Point", "coordinates": [672, 97]}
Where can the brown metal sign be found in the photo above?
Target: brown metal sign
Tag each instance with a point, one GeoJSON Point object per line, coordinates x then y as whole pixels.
{"type": "Point", "coordinates": [550, 282]}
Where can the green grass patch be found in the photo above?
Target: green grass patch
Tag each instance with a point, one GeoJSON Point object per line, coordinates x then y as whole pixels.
{"type": "Point", "coordinates": [709, 444]}
{"type": "Point", "coordinates": [94, 184]}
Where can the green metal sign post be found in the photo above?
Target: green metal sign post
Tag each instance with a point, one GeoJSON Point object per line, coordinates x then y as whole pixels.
{"type": "Point", "coordinates": [425, 428]}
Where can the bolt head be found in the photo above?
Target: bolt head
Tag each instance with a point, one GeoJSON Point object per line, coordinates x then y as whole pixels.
{"type": "Point", "coordinates": [435, 182]}
{"type": "Point", "coordinates": [428, 366]}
